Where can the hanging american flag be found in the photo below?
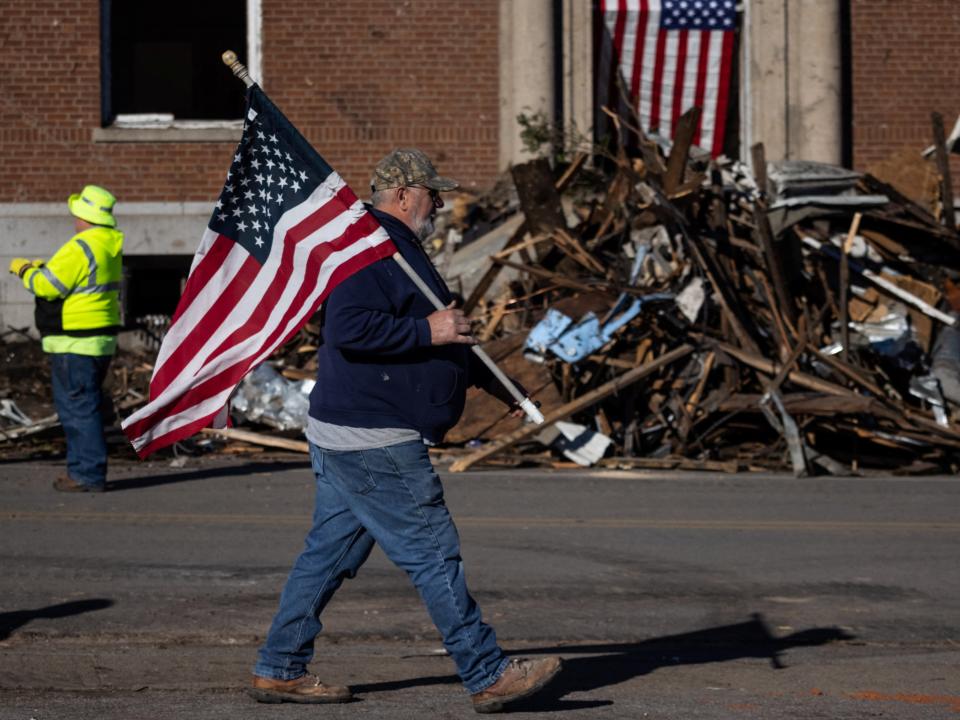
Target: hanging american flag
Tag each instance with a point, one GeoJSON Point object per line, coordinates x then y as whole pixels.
{"type": "Point", "coordinates": [670, 55]}
{"type": "Point", "coordinates": [285, 230]}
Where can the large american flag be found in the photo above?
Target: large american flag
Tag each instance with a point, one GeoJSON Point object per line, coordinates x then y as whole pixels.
{"type": "Point", "coordinates": [670, 55]}
{"type": "Point", "coordinates": [285, 230]}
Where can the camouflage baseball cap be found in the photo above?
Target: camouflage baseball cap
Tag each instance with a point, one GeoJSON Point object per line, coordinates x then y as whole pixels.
{"type": "Point", "coordinates": [404, 167]}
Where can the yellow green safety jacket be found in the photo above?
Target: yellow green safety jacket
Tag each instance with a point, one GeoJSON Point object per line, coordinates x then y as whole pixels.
{"type": "Point", "coordinates": [77, 294]}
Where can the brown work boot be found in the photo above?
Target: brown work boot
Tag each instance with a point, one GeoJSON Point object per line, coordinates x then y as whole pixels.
{"type": "Point", "coordinates": [521, 679]}
{"type": "Point", "coordinates": [304, 689]}
{"type": "Point", "coordinates": [65, 483]}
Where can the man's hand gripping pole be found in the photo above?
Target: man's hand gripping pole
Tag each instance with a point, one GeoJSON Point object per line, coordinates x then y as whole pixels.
{"type": "Point", "coordinates": [526, 404]}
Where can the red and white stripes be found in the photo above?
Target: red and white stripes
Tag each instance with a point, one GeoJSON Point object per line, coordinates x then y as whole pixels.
{"type": "Point", "coordinates": [669, 71]}
{"type": "Point", "coordinates": [235, 311]}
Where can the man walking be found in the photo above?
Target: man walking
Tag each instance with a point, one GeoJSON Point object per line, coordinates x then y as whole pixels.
{"type": "Point", "coordinates": [393, 377]}
{"type": "Point", "coordinates": [78, 316]}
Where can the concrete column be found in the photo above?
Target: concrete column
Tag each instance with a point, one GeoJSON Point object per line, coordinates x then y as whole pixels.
{"type": "Point", "coordinates": [526, 70]}
{"type": "Point", "coordinates": [578, 67]}
{"type": "Point", "coordinates": [791, 81]}
{"type": "Point", "coordinates": [815, 109]}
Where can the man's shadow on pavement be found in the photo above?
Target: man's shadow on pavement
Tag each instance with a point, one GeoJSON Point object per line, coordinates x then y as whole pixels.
{"type": "Point", "coordinates": [201, 473]}
{"type": "Point", "coordinates": [615, 663]}
{"type": "Point", "coordinates": [12, 621]}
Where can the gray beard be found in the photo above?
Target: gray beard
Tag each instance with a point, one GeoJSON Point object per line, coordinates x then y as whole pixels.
{"type": "Point", "coordinates": [424, 229]}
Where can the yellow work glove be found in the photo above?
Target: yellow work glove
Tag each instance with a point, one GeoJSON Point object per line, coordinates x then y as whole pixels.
{"type": "Point", "coordinates": [38, 262]}
{"type": "Point", "coordinates": [18, 266]}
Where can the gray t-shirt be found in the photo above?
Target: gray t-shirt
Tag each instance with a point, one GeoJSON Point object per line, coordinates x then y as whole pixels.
{"type": "Point", "coordinates": [341, 437]}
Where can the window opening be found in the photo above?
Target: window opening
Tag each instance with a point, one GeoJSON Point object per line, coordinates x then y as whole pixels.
{"type": "Point", "coordinates": [161, 62]}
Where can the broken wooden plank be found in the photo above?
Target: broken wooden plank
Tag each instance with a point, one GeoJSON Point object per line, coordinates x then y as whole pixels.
{"type": "Point", "coordinates": [803, 403]}
{"type": "Point", "coordinates": [258, 439]}
{"type": "Point", "coordinates": [564, 181]}
{"type": "Point", "coordinates": [575, 251]}
{"type": "Point", "coordinates": [576, 405]}
{"type": "Point", "coordinates": [548, 275]}
{"type": "Point", "coordinates": [774, 261]}
{"type": "Point", "coordinates": [45, 423]}
{"type": "Point", "coordinates": [943, 167]}
{"type": "Point", "coordinates": [844, 290]}
{"type": "Point", "coordinates": [538, 196]}
{"type": "Point", "coordinates": [670, 463]}
{"type": "Point", "coordinates": [491, 273]}
{"type": "Point", "coordinates": [680, 152]}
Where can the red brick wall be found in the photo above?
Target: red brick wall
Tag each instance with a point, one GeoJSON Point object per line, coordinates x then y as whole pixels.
{"type": "Point", "coordinates": [358, 78]}
{"type": "Point", "coordinates": [905, 54]}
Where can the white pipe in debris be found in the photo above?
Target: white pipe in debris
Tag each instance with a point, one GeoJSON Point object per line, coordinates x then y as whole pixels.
{"type": "Point", "coordinates": [924, 307]}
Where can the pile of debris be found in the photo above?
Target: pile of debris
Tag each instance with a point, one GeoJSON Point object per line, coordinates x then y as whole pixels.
{"type": "Point", "coordinates": [670, 310]}
{"type": "Point", "coordinates": [29, 427]}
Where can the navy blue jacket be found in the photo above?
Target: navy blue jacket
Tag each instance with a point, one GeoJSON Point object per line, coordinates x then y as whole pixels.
{"type": "Point", "coordinates": [377, 367]}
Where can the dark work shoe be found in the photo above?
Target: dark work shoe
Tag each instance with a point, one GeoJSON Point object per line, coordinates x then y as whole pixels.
{"type": "Point", "coordinates": [521, 679]}
{"type": "Point", "coordinates": [304, 689]}
{"type": "Point", "coordinates": [65, 483]}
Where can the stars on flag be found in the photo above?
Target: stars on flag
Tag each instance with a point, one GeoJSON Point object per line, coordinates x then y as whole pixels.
{"type": "Point", "coordinates": [264, 168]}
{"type": "Point", "coordinates": [698, 14]}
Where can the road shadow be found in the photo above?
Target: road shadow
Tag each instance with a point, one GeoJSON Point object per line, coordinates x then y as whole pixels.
{"type": "Point", "coordinates": [12, 621]}
{"type": "Point", "coordinates": [201, 473]}
{"type": "Point", "coordinates": [613, 663]}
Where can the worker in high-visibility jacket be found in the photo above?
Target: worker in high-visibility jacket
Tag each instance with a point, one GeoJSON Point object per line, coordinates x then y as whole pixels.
{"type": "Point", "coordinates": [78, 316]}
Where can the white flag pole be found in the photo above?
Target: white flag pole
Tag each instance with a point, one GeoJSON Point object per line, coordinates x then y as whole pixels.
{"type": "Point", "coordinates": [526, 404]}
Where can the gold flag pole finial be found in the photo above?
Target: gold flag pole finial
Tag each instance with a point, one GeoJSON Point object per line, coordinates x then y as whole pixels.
{"type": "Point", "coordinates": [238, 68]}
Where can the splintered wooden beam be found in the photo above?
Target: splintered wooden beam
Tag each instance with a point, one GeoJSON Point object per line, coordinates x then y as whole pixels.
{"type": "Point", "coordinates": [575, 406]}
{"type": "Point", "coordinates": [680, 152]}
{"type": "Point", "coordinates": [552, 276]}
{"type": "Point", "coordinates": [764, 233]}
{"type": "Point", "coordinates": [943, 167]}
{"type": "Point", "coordinates": [844, 288]}
{"type": "Point", "coordinates": [258, 439]}
{"type": "Point", "coordinates": [491, 274]}
{"type": "Point", "coordinates": [722, 291]}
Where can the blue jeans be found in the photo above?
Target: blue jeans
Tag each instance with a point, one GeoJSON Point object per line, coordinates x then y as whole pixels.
{"type": "Point", "coordinates": [77, 394]}
{"type": "Point", "coordinates": [391, 496]}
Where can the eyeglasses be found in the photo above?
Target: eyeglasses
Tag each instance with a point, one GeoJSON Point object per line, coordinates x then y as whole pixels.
{"type": "Point", "coordinates": [434, 194]}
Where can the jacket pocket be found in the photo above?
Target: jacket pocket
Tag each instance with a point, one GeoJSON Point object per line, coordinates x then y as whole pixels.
{"type": "Point", "coordinates": [443, 380]}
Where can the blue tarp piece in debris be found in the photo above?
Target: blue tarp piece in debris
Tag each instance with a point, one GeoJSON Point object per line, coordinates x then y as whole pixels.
{"type": "Point", "coordinates": [571, 342]}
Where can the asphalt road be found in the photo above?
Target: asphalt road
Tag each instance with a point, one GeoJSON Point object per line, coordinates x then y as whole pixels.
{"type": "Point", "coordinates": [670, 595]}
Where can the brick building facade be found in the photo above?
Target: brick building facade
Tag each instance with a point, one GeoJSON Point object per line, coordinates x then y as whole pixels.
{"type": "Point", "coordinates": [903, 56]}
{"type": "Point", "coordinates": [361, 77]}
{"type": "Point", "coordinates": [358, 78]}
